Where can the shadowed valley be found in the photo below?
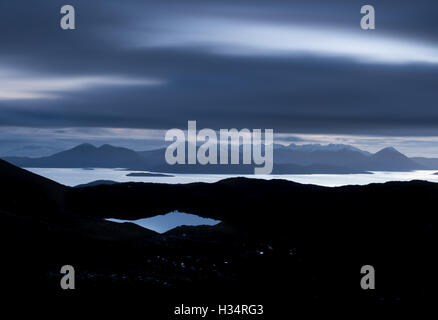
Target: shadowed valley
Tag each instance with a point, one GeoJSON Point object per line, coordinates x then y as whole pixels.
{"type": "Point", "coordinates": [275, 236]}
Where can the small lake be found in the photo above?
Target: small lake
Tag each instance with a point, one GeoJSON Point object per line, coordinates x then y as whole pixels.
{"type": "Point", "coordinates": [169, 221]}
{"type": "Point", "coordinates": [74, 177]}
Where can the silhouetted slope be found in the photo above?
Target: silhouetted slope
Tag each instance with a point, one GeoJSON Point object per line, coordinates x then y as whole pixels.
{"type": "Point", "coordinates": [277, 236]}
{"type": "Point", "coordinates": [38, 234]}
{"type": "Point", "coordinates": [25, 196]}
{"type": "Point", "coordinates": [242, 199]}
{"type": "Point", "coordinates": [27, 193]}
{"type": "Point", "coordinates": [334, 230]}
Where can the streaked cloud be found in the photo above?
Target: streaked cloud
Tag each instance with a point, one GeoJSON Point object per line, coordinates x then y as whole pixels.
{"type": "Point", "coordinates": [252, 38]}
{"type": "Point", "coordinates": [295, 66]}
{"type": "Point", "coordinates": [24, 86]}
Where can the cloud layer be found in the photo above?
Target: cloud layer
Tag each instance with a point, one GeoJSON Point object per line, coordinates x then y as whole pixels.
{"type": "Point", "coordinates": [295, 66]}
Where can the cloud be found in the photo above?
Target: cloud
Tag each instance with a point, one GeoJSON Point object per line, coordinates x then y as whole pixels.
{"type": "Point", "coordinates": [294, 66]}
{"type": "Point", "coordinates": [248, 38]}
{"type": "Point", "coordinates": [22, 86]}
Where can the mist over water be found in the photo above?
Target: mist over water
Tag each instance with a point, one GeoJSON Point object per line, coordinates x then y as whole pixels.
{"type": "Point", "coordinates": [74, 177]}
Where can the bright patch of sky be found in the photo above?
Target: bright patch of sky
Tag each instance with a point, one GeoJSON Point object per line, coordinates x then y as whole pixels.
{"type": "Point", "coordinates": [18, 85]}
{"type": "Point", "coordinates": [250, 38]}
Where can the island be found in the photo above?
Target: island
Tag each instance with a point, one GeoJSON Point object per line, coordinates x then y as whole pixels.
{"type": "Point", "coordinates": [147, 174]}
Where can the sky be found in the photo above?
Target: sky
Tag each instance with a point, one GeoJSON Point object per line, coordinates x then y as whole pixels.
{"type": "Point", "coordinates": [133, 69]}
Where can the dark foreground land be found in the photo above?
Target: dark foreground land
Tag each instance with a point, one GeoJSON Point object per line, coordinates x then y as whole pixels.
{"type": "Point", "coordinates": [280, 244]}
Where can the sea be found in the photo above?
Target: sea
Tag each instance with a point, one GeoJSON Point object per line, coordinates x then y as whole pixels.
{"type": "Point", "coordinates": [74, 177]}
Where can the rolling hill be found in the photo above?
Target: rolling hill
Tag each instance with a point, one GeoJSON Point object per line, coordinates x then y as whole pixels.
{"type": "Point", "coordinates": [275, 235]}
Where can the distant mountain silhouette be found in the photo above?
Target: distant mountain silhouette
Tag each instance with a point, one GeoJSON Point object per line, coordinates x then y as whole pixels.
{"type": "Point", "coordinates": [429, 163]}
{"type": "Point", "coordinates": [147, 174]}
{"type": "Point", "coordinates": [96, 183]}
{"type": "Point", "coordinates": [306, 156]}
{"type": "Point", "coordinates": [285, 162]}
{"type": "Point", "coordinates": [328, 147]}
{"type": "Point", "coordinates": [293, 159]}
{"type": "Point", "coordinates": [85, 156]}
{"type": "Point", "coordinates": [389, 159]}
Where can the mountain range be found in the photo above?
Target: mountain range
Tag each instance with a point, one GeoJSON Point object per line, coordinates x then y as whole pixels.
{"type": "Point", "coordinates": [292, 159]}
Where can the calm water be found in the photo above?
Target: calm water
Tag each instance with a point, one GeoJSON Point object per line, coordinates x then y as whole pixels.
{"type": "Point", "coordinates": [74, 177]}
{"type": "Point", "coordinates": [163, 223]}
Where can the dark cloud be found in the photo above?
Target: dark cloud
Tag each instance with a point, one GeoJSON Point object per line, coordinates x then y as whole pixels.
{"type": "Point", "coordinates": [203, 73]}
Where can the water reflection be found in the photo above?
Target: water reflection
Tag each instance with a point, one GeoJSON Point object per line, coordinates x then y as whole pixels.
{"type": "Point", "coordinates": [164, 223]}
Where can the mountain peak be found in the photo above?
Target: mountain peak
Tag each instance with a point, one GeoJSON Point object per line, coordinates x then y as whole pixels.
{"type": "Point", "coordinates": [394, 160]}
{"type": "Point", "coordinates": [389, 150]}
